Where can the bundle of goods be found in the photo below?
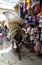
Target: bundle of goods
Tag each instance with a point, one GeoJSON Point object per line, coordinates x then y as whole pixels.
{"type": "Point", "coordinates": [13, 26]}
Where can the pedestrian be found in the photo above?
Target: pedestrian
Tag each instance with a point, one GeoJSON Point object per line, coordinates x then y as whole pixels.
{"type": "Point", "coordinates": [32, 39]}
{"type": "Point", "coordinates": [1, 37]}
{"type": "Point", "coordinates": [37, 47]}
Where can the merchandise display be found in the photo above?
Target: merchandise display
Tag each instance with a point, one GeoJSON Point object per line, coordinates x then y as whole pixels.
{"type": "Point", "coordinates": [28, 1]}
{"type": "Point", "coordinates": [41, 11]}
{"type": "Point", "coordinates": [37, 9]}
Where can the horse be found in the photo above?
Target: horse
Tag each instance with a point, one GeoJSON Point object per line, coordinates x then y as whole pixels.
{"type": "Point", "coordinates": [19, 39]}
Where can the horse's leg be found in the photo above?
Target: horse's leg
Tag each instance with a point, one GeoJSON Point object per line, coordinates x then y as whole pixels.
{"type": "Point", "coordinates": [18, 50]}
{"type": "Point", "coordinates": [12, 44]}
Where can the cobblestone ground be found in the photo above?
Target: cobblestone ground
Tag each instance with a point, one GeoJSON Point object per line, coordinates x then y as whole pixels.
{"type": "Point", "coordinates": [11, 57]}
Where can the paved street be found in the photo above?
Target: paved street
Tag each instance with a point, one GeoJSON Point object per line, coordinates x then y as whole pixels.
{"type": "Point", "coordinates": [10, 57]}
